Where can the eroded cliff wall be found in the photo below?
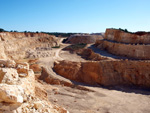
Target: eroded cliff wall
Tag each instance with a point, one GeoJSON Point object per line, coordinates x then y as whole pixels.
{"type": "Point", "coordinates": [128, 50]}
{"type": "Point", "coordinates": [15, 45]}
{"type": "Point", "coordinates": [125, 37]}
{"type": "Point", "coordinates": [107, 73]}
{"type": "Point", "coordinates": [86, 39]}
{"type": "Point", "coordinates": [131, 45]}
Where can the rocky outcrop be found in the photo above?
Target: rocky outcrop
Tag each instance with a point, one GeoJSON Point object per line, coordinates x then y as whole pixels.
{"type": "Point", "coordinates": [17, 35]}
{"type": "Point", "coordinates": [107, 73]}
{"type": "Point", "coordinates": [88, 54]}
{"type": "Point", "coordinates": [17, 45]}
{"type": "Point", "coordinates": [17, 90]}
{"type": "Point", "coordinates": [36, 68]}
{"type": "Point", "coordinates": [130, 45]}
{"type": "Point", "coordinates": [126, 37]}
{"type": "Point", "coordinates": [127, 50]}
{"type": "Point", "coordinates": [48, 78]}
{"type": "Point", "coordinates": [86, 39]}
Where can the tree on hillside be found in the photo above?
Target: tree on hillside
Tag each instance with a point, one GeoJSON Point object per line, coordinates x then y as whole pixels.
{"type": "Point", "coordinates": [2, 30]}
{"type": "Point", "coordinates": [126, 30]}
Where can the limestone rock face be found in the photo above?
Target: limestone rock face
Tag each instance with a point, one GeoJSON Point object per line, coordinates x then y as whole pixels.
{"type": "Point", "coordinates": [16, 45]}
{"type": "Point", "coordinates": [107, 73]}
{"type": "Point", "coordinates": [22, 69]}
{"type": "Point", "coordinates": [7, 63]}
{"type": "Point", "coordinates": [88, 39]}
{"type": "Point", "coordinates": [126, 37]}
{"type": "Point", "coordinates": [69, 69]}
{"type": "Point", "coordinates": [2, 50]}
{"type": "Point", "coordinates": [90, 55]}
{"type": "Point", "coordinates": [13, 89]}
{"type": "Point", "coordinates": [11, 93]}
{"type": "Point", "coordinates": [17, 90]}
{"type": "Point", "coordinates": [140, 52]}
{"type": "Point", "coordinates": [35, 68]}
{"type": "Point", "coordinates": [131, 45]}
{"type": "Point", "coordinates": [9, 76]}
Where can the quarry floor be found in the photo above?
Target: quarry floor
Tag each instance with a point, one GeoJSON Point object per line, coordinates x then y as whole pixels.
{"type": "Point", "coordinates": [98, 99]}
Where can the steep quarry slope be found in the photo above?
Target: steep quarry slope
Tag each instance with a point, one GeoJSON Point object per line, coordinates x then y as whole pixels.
{"type": "Point", "coordinates": [126, 37]}
{"type": "Point", "coordinates": [19, 45]}
{"type": "Point", "coordinates": [107, 73]}
{"type": "Point", "coordinates": [18, 90]}
{"type": "Point", "coordinates": [88, 39]}
{"type": "Point", "coordinates": [131, 45]}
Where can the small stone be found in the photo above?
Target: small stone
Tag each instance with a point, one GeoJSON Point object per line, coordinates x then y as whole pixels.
{"type": "Point", "coordinates": [38, 105]}
{"type": "Point", "coordinates": [56, 100]}
{"type": "Point", "coordinates": [22, 75]}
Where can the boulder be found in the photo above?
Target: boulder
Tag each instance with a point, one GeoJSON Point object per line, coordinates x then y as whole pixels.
{"type": "Point", "coordinates": [11, 93]}
{"type": "Point", "coordinates": [8, 76]}
{"type": "Point", "coordinates": [22, 69]}
{"type": "Point", "coordinates": [7, 63]}
{"type": "Point", "coordinates": [36, 68]}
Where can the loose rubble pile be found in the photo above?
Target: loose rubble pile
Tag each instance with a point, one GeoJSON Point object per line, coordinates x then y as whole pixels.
{"type": "Point", "coordinates": [39, 52]}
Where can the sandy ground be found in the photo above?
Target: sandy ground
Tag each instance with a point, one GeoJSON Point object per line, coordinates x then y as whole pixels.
{"type": "Point", "coordinates": [99, 100]}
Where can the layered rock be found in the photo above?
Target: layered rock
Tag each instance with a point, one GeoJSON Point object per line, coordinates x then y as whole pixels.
{"type": "Point", "coordinates": [127, 37]}
{"type": "Point", "coordinates": [86, 39]}
{"type": "Point", "coordinates": [17, 45]}
{"type": "Point", "coordinates": [17, 35]}
{"type": "Point", "coordinates": [17, 90]}
{"type": "Point", "coordinates": [131, 45]}
{"type": "Point", "coordinates": [107, 73]}
{"type": "Point", "coordinates": [127, 50]}
{"type": "Point", "coordinates": [88, 54]}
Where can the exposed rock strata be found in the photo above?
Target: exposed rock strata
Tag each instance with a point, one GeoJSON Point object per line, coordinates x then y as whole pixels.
{"type": "Point", "coordinates": [87, 39]}
{"type": "Point", "coordinates": [125, 37]}
{"type": "Point", "coordinates": [131, 45]}
{"type": "Point", "coordinates": [88, 54]}
{"type": "Point", "coordinates": [127, 50]}
{"type": "Point", "coordinates": [16, 45]}
{"type": "Point", "coordinates": [107, 73]}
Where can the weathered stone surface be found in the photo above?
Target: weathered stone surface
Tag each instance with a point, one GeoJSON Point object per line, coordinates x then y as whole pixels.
{"type": "Point", "coordinates": [17, 92]}
{"type": "Point", "coordinates": [107, 73]}
{"type": "Point", "coordinates": [11, 93]}
{"type": "Point", "coordinates": [38, 105]}
{"type": "Point", "coordinates": [8, 76]}
{"type": "Point", "coordinates": [16, 45]}
{"type": "Point", "coordinates": [127, 50]}
{"type": "Point", "coordinates": [7, 63]}
{"type": "Point", "coordinates": [36, 68]}
{"type": "Point", "coordinates": [28, 83]}
{"type": "Point", "coordinates": [131, 45]}
{"type": "Point", "coordinates": [88, 39]}
{"type": "Point", "coordinates": [2, 50]}
{"type": "Point", "coordinates": [22, 69]}
{"type": "Point", "coordinates": [88, 54]}
{"type": "Point", "coordinates": [125, 37]}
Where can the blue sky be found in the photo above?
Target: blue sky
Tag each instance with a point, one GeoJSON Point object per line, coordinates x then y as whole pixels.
{"type": "Point", "coordinates": [74, 15]}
